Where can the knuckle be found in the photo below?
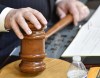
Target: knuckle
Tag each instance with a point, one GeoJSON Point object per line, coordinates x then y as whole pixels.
{"type": "Point", "coordinates": [17, 13]}
{"type": "Point", "coordinates": [19, 20]}
{"type": "Point", "coordinates": [11, 19]}
{"type": "Point", "coordinates": [26, 13]}
{"type": "Point", "coordinates": [37, 12]}
{"type": "Point", "coordinates": [29, 8]}
{"type": "Point", "coordinates": [23, 10]}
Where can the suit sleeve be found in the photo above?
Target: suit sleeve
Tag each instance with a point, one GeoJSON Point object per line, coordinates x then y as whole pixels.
{"type": "Point", "coordinates": [2, 7]}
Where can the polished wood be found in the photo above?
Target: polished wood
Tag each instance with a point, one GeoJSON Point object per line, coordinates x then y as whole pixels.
{"type": "Point", "coordinates": [33, 46]}
{"type": "Point", "coordinates": [93, 72]}
{"type": "Point", "coordinates": [33, 51]}
{"type": "Point", "coordinates": [55, 68]}
{"type": "Point", "coordinates": [59, 25]}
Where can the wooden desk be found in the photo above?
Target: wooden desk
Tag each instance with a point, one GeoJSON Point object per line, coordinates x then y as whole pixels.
{"type": "Point", "coordinates": [55, 68]}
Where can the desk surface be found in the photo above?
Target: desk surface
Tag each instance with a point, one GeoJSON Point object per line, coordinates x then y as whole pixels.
{"type": "Point", "coordinates": [55, 68]}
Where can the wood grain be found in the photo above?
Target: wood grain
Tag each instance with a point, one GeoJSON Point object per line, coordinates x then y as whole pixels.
{"type": "Point", "coordinates": [59, 25]}
{"type": "Point", "coordinates": [55, 68]}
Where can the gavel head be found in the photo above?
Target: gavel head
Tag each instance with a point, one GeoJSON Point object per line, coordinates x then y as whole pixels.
{"type": "Point", "coordinates": [33, 51]}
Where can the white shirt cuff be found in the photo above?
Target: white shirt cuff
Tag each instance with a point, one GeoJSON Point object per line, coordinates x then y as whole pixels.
{"type": "Point", "coordinates": [2, 19]}
{"type": "Point", "coordinates": [57, 1]}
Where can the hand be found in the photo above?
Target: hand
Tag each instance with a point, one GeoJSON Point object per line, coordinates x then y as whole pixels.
{"type": "Point", "coordinates": [16, 18]}
{"type": "Point", "coordinates": [76, 8]}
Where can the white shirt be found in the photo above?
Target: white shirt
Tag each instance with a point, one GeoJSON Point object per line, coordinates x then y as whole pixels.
{"type": "Point", "coordinates": [2, 19]}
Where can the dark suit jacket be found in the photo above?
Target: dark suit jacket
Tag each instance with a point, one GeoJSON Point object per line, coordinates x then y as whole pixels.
{"type": "Point", "coordinates": [44, 6]}
{"type": "Point", "coordinates": [9, 40]}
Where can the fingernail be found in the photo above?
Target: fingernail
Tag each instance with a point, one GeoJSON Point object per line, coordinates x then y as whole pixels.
{"type": "Point", "coordinates": [62, 16]}
{"type": "Point", "coordinates": [29, 32]}
{"type": "Point", "coordinates": [38, 26]}
{"type": "Point", "coordinates": [21, 37]}
{"type": "Point", "coordinates": [45, 22]}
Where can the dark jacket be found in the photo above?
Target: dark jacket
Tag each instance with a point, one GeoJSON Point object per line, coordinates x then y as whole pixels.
{"type": "Point", "coordinates": [9, 40]}
{"type": "Point", "coordinates": [44, 6]}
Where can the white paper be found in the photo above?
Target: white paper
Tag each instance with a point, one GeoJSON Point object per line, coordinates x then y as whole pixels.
{"type": "Point", "coordinates": [87, 41]}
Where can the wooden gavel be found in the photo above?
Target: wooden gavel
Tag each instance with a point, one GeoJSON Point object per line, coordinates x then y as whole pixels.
{"type": "Point", "coordinates": [33, 47]}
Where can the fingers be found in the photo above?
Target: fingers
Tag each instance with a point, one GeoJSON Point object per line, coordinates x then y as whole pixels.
{"type": "Point", "coordinates": [22, 23]}
{"type": "Point", "coordinates": [83, 10]}
{"type": "Point", "coordinates": [79, 11]}
{"type": "Point", "coordinates": [16, 29]}
{"type": "Point", "coordinates": [29, 16]}
{"type": "Point", "coordinates": [17, 17]}
{"type": "Point", "coordinates": [75, 7]}
{"type": "Point", "coordinates": [74, 11]}
{"type": "Point", "coordinates": [61, 13]}
{"type": "Point", "coordinates": [40, 17]}
{"type": "Point", "coordinates": [35, 17]}
{"type": "Point", "coordinates": [62, 10]}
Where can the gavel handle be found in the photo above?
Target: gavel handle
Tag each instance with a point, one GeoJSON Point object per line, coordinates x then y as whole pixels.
{"type": "Point", "coordinates": [58, 26]}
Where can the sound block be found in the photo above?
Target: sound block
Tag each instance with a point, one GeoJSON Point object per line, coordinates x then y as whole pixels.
{"type": "Point", "coordinates": [55, 68]}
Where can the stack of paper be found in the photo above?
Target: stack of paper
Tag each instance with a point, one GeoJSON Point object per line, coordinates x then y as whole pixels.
{"type": "Point", "coordinates": [87, 41]}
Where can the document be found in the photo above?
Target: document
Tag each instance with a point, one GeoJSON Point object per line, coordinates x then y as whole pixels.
{"type": "Point", "coordinates": [87, 41]}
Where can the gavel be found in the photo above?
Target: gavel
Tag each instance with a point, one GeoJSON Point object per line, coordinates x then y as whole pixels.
{"type": "Point", "coordinates": [33, 47]}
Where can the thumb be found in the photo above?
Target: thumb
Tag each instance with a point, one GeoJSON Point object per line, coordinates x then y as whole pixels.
{"type": "Point", "coordinates": [61, 13]}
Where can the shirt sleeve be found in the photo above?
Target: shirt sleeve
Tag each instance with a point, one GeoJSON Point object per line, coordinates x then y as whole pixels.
{"type": "Point", "coordinates": [3, 14]}
{"type": "Point", "coordinates": [57, 1]}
